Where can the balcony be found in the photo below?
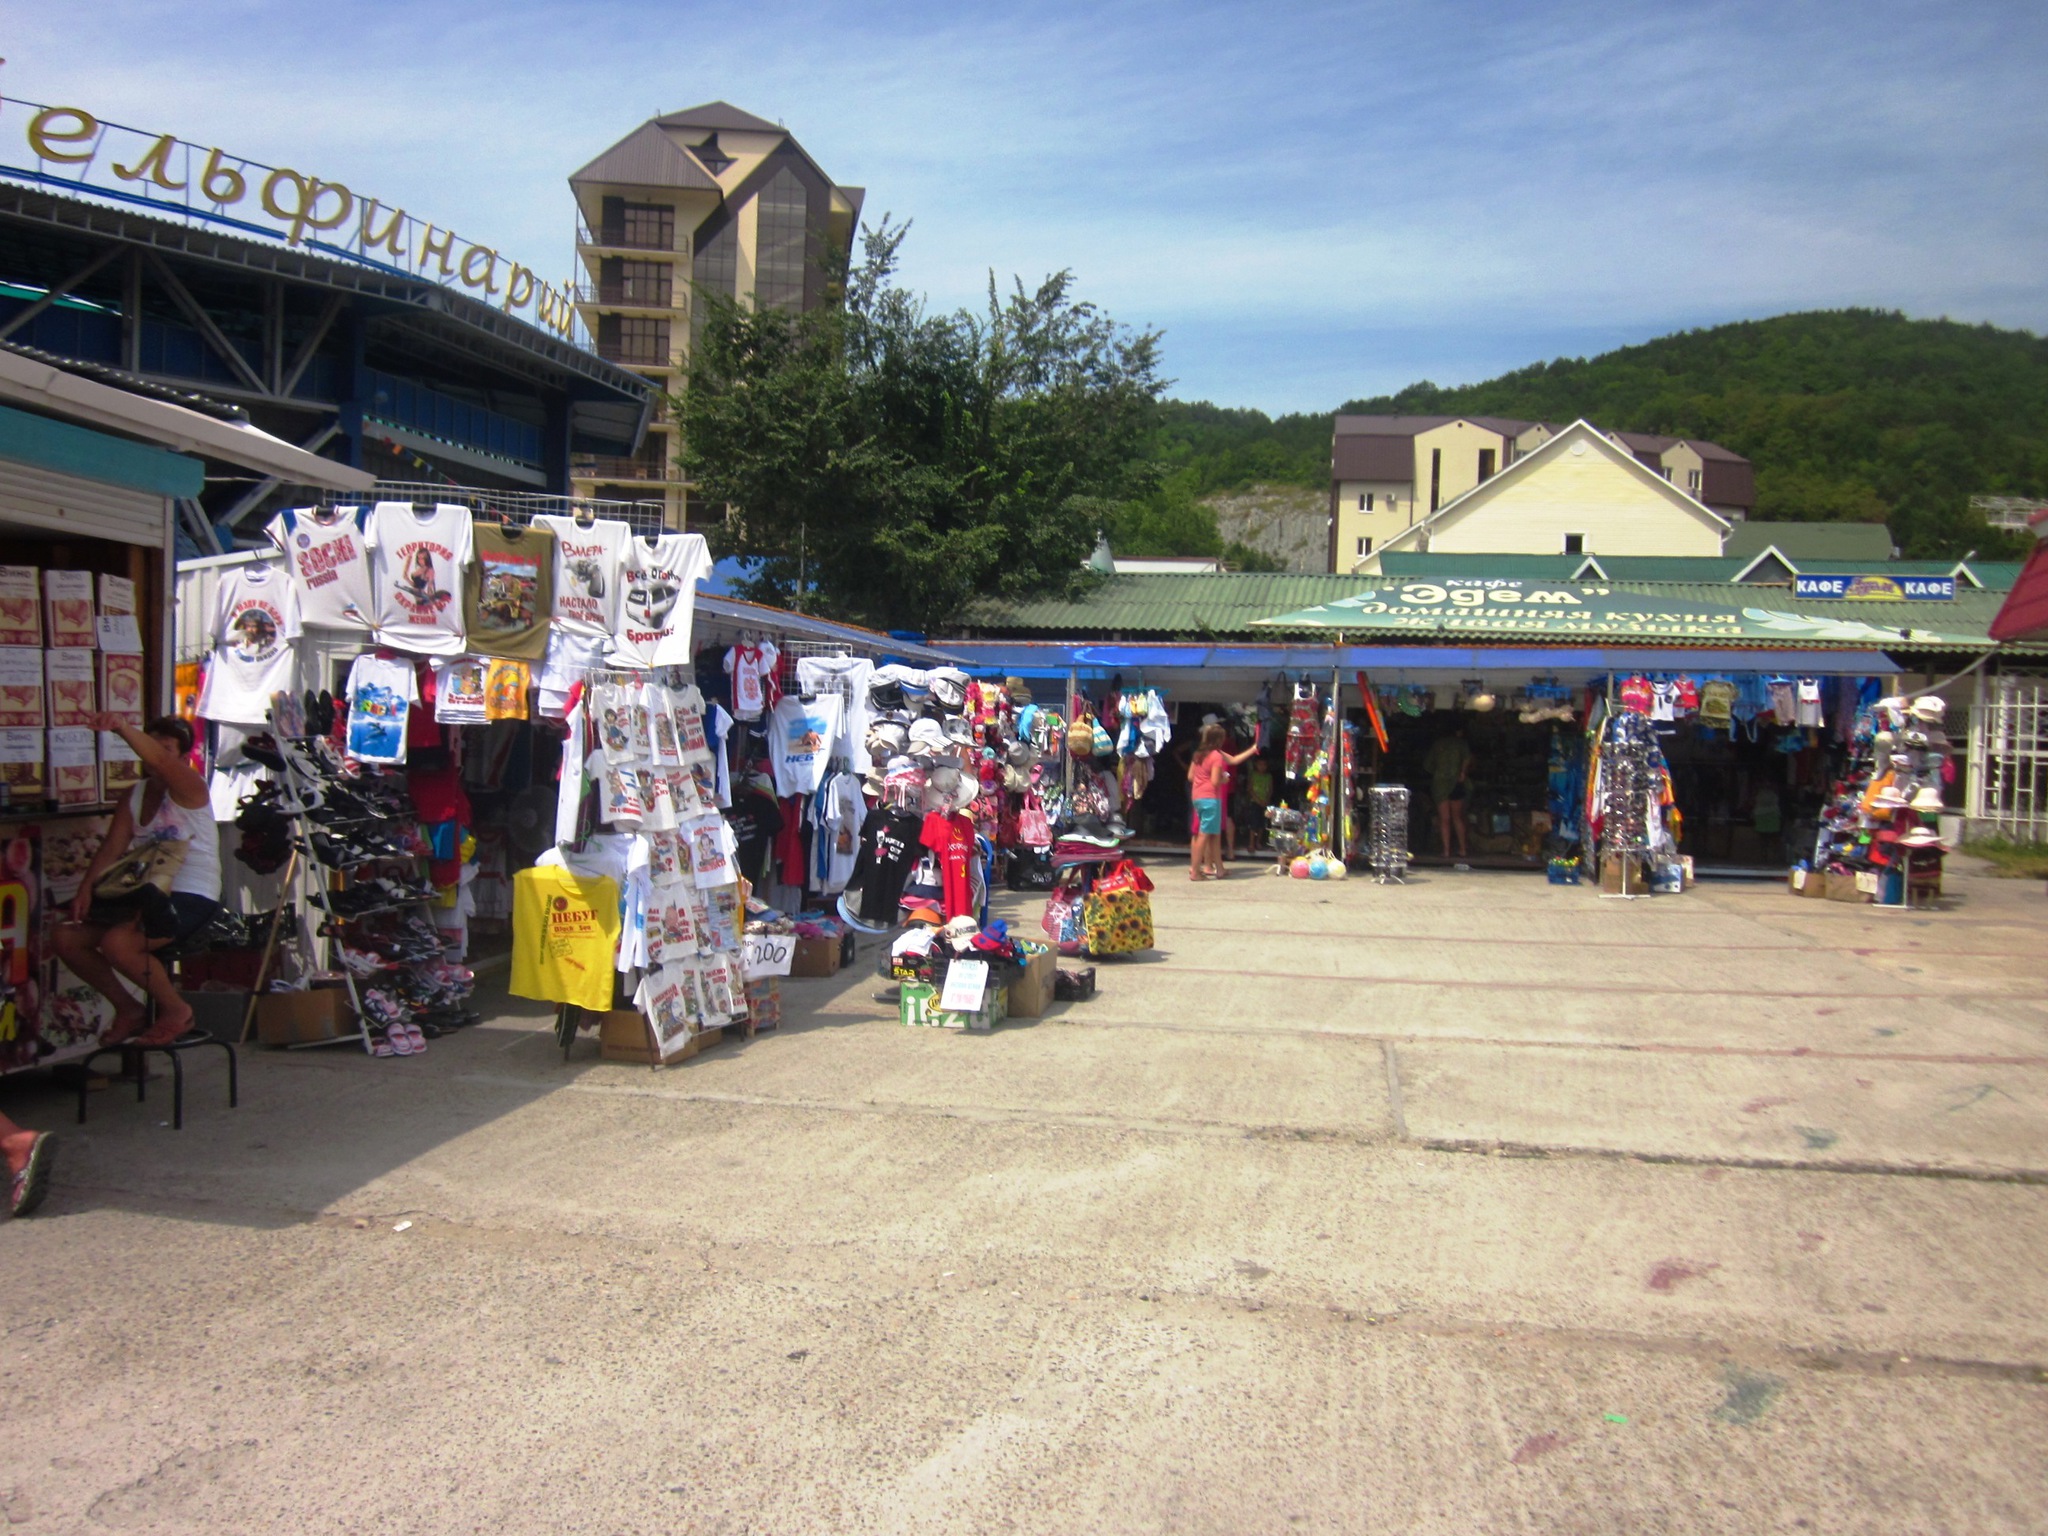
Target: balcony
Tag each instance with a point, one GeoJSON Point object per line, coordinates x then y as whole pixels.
{"type": "Point", "coordinates": [624, 237]}
{"type": "Point", "coordinates": [636, 354]}
{"type": "Point", "coordinates": [628, 294]}
{"type": "Point", "coordinates": [634, 471]}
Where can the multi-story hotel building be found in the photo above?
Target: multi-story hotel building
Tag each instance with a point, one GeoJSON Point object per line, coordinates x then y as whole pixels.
{"type": "Point", "coordinates": [707, 200]}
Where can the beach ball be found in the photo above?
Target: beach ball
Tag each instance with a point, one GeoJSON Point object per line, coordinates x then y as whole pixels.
{"type": "Point", "coordinates": [1318, 867]}
{"type": "Point", "coordinates": [1337, 870]}
{"type": "Point", "coordinates": [1299, 869]}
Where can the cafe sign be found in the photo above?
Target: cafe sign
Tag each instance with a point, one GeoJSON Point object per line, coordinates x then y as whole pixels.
{"type": "Point", "coordinates": [70, 147]}
{"type": "Point", "coordinates": [1476, 609]}
{"type": "Point", "coordinates": [1877, 589]}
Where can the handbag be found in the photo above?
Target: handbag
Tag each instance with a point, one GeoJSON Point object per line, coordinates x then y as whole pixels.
{"type": "Point", "coordinates": [1033, 829]}
{"type": "Point", "coordinates": [1124, 875]}
{"type": "Point", "coordinates": [1117, 922]}
{"type": "Point", "coordinates": [150, 864]}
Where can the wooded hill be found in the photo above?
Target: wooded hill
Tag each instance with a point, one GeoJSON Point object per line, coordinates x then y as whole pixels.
{"type": "Point", "coordinates": [1856, 415]}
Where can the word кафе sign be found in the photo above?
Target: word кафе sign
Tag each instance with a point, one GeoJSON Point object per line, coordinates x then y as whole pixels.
{"type": "Point", "coordinates": [1877, 589]}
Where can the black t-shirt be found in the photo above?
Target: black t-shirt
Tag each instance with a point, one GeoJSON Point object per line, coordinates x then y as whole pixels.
{"type": "Point", "coordinates": [755, 818]}
{"type": "Point", "coordinates": [889, 850]}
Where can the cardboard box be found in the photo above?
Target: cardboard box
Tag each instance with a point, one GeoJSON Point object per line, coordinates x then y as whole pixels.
{"type": "Point", "coordinates": [1031, 993]}
{"type": "Point", "coordinates": [919, 1008]}
{"type": "Point", "coordinates": [1844, 887]}
{"type": "Point", "coordinates": [1807, 882]}
{"type": "Point", "coordinates": [623, 1035]}
{"type": "Point", "coordinates": [816, 957]}
{"type": "Point", "coordinates": [302, 1018]}
{"type": "Point", "coordinates": [1622, 875]}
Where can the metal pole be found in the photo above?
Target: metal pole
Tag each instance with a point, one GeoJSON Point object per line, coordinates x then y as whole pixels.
{"type": "Point", "coordinates": [1067, 757]}
{"type": "Point", "coordinates": [1338, 789]}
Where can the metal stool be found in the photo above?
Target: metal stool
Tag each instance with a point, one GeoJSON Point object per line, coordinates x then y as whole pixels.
{"type": "Point", "coordinates": [175, 1050]}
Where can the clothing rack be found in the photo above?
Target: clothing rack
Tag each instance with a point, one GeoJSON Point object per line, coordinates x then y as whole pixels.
{"type": "Point", "coordinates": [515, 506]}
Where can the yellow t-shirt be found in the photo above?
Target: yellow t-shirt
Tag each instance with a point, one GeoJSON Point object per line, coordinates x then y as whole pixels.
{"type": "Point", "coordinates": [565, 937]}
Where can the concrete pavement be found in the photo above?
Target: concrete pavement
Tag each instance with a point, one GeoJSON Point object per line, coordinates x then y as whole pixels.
{"type": "Point", "coordinates": [1473, 1205]}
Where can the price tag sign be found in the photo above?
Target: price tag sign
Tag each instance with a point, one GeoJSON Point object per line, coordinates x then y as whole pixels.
{"type": "Point", "coordinates": [119, 634]}
{"type": "Point", "coordinates": [769, 954]}
{"type": "Point", "coordinates": [966, 985]}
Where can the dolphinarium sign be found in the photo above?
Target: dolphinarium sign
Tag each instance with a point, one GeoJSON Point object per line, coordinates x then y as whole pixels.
{"type": "Point", "coordinates": [1878, 589]}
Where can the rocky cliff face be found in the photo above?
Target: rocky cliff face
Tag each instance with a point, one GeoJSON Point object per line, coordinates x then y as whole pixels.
{"type": "Point", "coordinates": [1289, 522]}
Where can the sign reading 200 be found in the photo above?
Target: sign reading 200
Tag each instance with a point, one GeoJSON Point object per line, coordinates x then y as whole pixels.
{"type": "Point", "coordinates": [106, 157]}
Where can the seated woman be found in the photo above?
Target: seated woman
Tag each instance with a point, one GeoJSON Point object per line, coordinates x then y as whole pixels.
{"type": "Point", "coordinates": [108, 940]}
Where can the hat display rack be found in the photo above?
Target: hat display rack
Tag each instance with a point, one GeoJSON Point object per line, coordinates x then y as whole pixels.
{"type": "Point", "coordinates": [1882, 822]}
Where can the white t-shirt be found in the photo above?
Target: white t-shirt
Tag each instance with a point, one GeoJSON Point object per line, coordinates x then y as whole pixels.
{"type": "Point", "coordinates": [848, 676]}
{"type": "Point", "coordinates": [747, 665]}
{"type": "Point", "coordinates": [255, 622]}
{"type": "Point", "coordinates": [660, 599]}
{"type": "Point", "coordinates": [837, 815]}
{"type": "Point", "coordinates": [589, 574]}
{"type": "Point", "coordinates": [618, 791]}
{"type": "Point", "coordinates": [416, 575]}
{"type": "Point", "coordinates": [381, 693]}
{"type": "Point", "coordinates": [330, 560]}
{"type": "Point", "coordinates": [199, 875]}
{"type": "Point", "coordinates": [800, 737]}
{"type": "Point", "coordinates": [710, 845]}
{"type": "Point", "coordinates": [459, 692]}
{"type": "Point", "coordinates": [569, 798]}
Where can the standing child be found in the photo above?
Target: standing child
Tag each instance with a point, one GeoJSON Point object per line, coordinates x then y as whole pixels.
{"type": "Point", "coordinates": [1208, 782]}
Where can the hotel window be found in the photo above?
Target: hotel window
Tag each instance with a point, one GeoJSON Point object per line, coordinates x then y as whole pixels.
{"type": "Point", "coordinates": [1364, 545]}
{"type": "Point", "coordinates": [648, 226]}
{"type": "Point", "coordinates": [782, 211]}
{"type": "Point", "coordinates": [1575, 543]}
{"type": "Point", "coordinates": [1486, 461]}
{"type": "Point", "coordinates": [1365, 501]}
{"type": "Point", "coordinates": [714, 269]}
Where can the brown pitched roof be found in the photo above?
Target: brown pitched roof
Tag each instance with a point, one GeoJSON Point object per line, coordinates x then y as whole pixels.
{"type": "Point", "coordinates": [646, 157]}
{"type": "Point", "coordinates": [718, 115]}
{"type": "Point", "coordinates": [1380, 457]}
{"type": "Point", "coordinates": [1408, 426]}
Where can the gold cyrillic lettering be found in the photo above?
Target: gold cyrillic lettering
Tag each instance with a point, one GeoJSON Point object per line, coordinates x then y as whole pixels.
{"type": "Point", "coordinates": [392, 236]}
{"type": "Point", "coordinates": [155, 165]}
{"type": "Point", "coordinates": [304, 212]}
{"type": "Point", "coordinates": [518, 288]}
{"type": "Point", "coordinates": [222, 184]}
{"type": "Point", "coordinates": [47, 140]}
{"type": "Point", "coordinates": [490, 268]}
{"type": "Point", "coordinates": [444, 247]}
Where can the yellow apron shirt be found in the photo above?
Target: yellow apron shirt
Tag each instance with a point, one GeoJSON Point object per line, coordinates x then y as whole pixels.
{"type": "Point", "coordinates": [565, 937]}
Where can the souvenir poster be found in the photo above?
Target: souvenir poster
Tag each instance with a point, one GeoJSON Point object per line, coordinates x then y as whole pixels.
{"type": "Point", "coordinates": [74, 777]}
{"type": "Point", "coordinates": [68, 847]}
{"type": "Point", "coordinates": [21, 765]}
{"type": "Point", "coordinates": [67, 599]}
{"type": "Point", "coordinates": [121, 685]}
{"type": "Point", "coordinates": [20, 623]}
{"type": "Point", "coordinates": [21, 687]}
{"type": "Point", "coordinates": [117, 594]}
{"type": "Point", "coordinates": [68, 676]}
{"type": "Point", "coordinates": [120, 769]}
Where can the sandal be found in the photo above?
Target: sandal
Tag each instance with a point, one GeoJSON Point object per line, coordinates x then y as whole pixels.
{"type": "Point", "coordinates": [33, 1182]}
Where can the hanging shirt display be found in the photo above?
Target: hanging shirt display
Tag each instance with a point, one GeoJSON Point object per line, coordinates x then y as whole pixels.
{"type": "Point", "coordinates": [255, 625]}
{"type": "Point", "coordinates": [711, 847]}
{"type": "Point", "coordinates": [659, 600]}
{"type": "Point", "coordinates": [847, 676]}
{"type": "Point", "coordinates": [889, 850]}
{"type": "Point", "coordinates": [505, 685]}
{"type": "Point", "coordinates": [800, 736]}
{"type": "Point", "coordinates": [509, 595]}
{"type": "Point", "coordinates": [752, 669]}
{"type": "Point", "coordinates": [590, 560]}
{"type": "Point", "coordinates": [951, 840]}
{"type": "Point", "coordinates": [836, 817]}
{"type": "Point", "coordinates": [565, 934]}
{"type": "Point", "coordinates": [381, 691]}
{"type": "Point", "coordinates": [330, 563]}
{"type": "Point", "coordinates": [417, 561]}
{"type": "Point", "coordinates": [459, 690]}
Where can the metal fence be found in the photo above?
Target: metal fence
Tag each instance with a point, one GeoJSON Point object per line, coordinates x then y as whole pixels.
{"type": "Point", "coordinates": [2009, 757]}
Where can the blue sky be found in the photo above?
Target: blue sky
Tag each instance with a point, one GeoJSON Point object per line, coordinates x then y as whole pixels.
{"type": "Point", "coordinates": [1314, 202]}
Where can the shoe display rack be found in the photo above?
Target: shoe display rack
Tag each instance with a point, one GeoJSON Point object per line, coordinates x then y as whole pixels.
{"type": "Point", "coordinates": [1386, 837]}
{"type": "Point", "coordinates": [357, 835]}
{"type": "Point", "coordinates": [1628, 785]}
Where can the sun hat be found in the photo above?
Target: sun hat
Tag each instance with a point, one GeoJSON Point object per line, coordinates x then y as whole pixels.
{"type": "Point", "coordinates": [1926, 800]}
{"type": "Point", "coordinates": [1923, 837]}
{"type": "Point", "coordinates": [1930, 709]}
{"type": "Point", "coordinates": [958, 731]}
{"type": "Point", "coordinates": [1018, 690]}
{"type": "Point", "coordinates": [949, 687]}
{"type": "Point", "coordinates": [928, 739]}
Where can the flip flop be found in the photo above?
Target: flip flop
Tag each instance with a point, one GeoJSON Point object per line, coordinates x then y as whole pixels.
{"type": "Point", "coordinates": [400, 1038]}
{"type": "Point", "coordinates": [418, 1037]}
{"type": "Point", "coordinates": [33, 1182]}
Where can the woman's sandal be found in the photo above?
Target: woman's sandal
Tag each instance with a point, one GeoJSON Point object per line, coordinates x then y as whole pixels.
{"type": "Point", "coordinates": [33, 1182]}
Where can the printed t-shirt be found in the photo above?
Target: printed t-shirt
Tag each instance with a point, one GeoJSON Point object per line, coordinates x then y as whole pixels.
{"type": "Point", "coordinates": [800, 736]}
{"type": "Point", "coordinates": [755, 818]}
{"type": "Point", "coordinates": [659, 600]}
{"type": "Point", "coordinates": [255, 621]}
{"type": "Point", "coordinates": [565, 935]}
{"type": "Point", "coordinates": [1809, 705]}
{"type": "Point", "coordinates": [505, 684]}
{"type": "Point", "coordinates": [889, 850]}
{"type": "Point", "coordinates": [836, 816]}
{"type": "Point", "coordinates": [711, 846]}
{"type": "Point", "coordinates": [618, 789]}
{"type": "Point", "coordinates": [752, 669]}
{"type": "Point", "coordinates": [459, 690]}
{"type": "Point", "coordinates": [951, 839]}
{"type": "Point", "coordinates": [330, 561]}
{"type": "Point", "coordinates": [416, 575]}
{"type": "Point", "coordinates": [847, 676]}
{"type": "Point", "coordinates": [570, 659]}
{"type": "Point", "coordinates": [589, 573]}
{"type": "Point", "coordinates": [669, 1000]}
{"type": "Point", "coordinates": [510, 592]}
{"type": "Point", "coordinates": [381, 692]}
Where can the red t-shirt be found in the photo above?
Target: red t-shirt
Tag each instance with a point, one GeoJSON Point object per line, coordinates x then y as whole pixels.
{"type": "Point", "coordinates": [1206, 779]}
{"type": "Point", "coordinates": [951, 838]}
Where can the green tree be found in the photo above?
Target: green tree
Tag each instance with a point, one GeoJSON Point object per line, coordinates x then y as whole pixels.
{"type": "Point", "coordinates": [888, 464]}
